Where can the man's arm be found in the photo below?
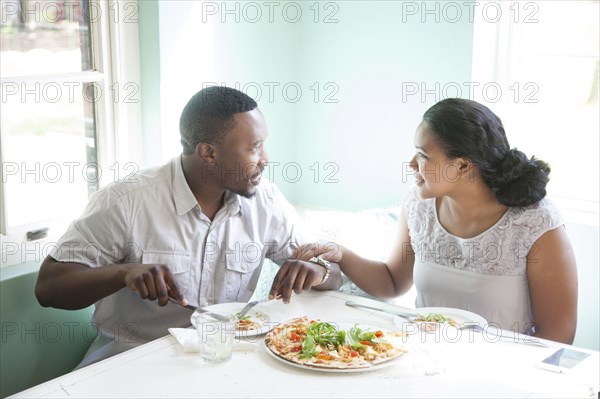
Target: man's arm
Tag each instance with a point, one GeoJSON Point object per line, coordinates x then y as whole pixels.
{"type": "Point", "coordinates": [70, 279]}
{"type": "Point", "coordinates": [294, 274]}
{"type": "Point", "coordinates": [70, 285]}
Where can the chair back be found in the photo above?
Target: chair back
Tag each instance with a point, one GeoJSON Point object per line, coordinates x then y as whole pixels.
{"type": "Point", "coordinates": [37, 344]}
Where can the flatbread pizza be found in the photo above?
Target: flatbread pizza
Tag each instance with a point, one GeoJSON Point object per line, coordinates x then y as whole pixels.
{"type": "Point", "coordinates": [323, 345]}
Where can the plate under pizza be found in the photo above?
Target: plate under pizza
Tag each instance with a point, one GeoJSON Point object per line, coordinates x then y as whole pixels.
{"type": "Point", "coordinates": [342, 346]}
{"type": "Point", "coordinates": [263, 318]}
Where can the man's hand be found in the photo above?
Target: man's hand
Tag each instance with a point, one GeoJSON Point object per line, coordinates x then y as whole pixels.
{"type": "Point", "coordinates": [296, 275]}
{"type": "Point", "coordinates": [153, 281]}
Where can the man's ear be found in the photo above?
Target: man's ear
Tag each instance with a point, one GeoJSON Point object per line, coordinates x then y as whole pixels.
{"type": "Point", "coordinates": [206, 151]}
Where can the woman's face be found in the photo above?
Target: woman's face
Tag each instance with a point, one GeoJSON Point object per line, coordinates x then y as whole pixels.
{"type": "Point", "coordinates": [436, 175]}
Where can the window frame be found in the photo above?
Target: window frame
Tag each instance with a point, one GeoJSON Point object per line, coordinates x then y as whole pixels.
{"type": "Point", "coordinates": [115, 52]}
{"type": "Point", "coordinates": [492, 63]}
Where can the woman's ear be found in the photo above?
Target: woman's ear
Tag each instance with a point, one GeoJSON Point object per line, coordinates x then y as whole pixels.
{"type": "Point", "coordinates": [466, 168]}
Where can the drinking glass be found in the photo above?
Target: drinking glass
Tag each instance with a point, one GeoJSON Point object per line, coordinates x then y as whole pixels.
{"type": "Point", "coordinates": [216, 336]}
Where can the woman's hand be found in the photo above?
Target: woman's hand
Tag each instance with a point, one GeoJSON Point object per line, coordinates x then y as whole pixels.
{"type": "Point", "coordinates": [329, 251]}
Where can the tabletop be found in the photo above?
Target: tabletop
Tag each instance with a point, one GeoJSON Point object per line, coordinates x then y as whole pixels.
{"type": "Point", "coordinates": [466, 364]}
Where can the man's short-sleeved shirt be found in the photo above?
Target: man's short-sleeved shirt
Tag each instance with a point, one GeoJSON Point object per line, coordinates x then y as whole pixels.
{"type": "Point", "coordinates": [154, 218]}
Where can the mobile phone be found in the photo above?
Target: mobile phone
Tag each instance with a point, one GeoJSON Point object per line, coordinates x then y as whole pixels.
{"type": "Point", "coordinates": [563, 360]}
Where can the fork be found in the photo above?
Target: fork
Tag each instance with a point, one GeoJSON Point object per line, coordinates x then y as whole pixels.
{"type": "Point", "coordinates": [470, 325]}
{"type": "Point", "coordinates": [246, 309]}
{"type": "Point", "coordinates": [252, 304]}
{"type": "Point", "coordinates": [529, 340]}
{"type": "Point", "coordinates": [404, 314]}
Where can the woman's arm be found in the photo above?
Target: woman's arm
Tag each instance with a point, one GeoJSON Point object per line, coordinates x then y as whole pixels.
{"type": "Point", "coordinates": [381, 279]}
{"type": "Point", "coordinates": [552, 276]}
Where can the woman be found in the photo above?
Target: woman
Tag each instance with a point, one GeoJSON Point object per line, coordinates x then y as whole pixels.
{"type": "Point", "coordinates": [476, 232]}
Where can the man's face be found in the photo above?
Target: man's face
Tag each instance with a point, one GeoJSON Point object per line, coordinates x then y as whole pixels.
{"type": "Point", "coordinates": [242, 156]}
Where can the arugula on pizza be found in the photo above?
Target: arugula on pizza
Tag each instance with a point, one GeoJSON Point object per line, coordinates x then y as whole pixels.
{"type": "Point", "coordinates": [323, 345]}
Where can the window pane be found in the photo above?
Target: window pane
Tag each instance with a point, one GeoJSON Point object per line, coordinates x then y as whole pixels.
{"type": "Point", "coordinates": [552, 108]}
{"type": "Point", "coordinates": [49, 154]}
{"type": "Point", "coordinates": [578, 33]}
{"type": "Point", "coordinates": [44, 37]}
{"type": "Point", "coordinates": [564, 136]}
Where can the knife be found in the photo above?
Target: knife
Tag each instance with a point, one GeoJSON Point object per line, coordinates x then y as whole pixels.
{"type": "Point", "coordinates": [188, 306]}
{"type": "Point", "coordinates": [387, 309]}
{"type": "Point", "coordinates": [200, 310]}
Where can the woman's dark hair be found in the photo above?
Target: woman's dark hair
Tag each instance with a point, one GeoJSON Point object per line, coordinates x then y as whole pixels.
{"type": "Point", "coordinates": [209, 115]}
{"type": "Point", "coordinates": [467, 129]}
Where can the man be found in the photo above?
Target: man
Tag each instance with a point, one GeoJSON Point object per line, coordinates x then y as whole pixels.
{"type": "Point", "coordinates": [193, 231]}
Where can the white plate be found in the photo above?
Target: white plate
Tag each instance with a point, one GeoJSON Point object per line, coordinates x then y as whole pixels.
{"type": "Point", "coordinates": [346, 325]}
{"type": "Point", "coordinates": [259, 314]}
{"type": "Point", "coordinates": [459, 315]}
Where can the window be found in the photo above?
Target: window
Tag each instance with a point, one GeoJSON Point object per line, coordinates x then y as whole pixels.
{"type": "Point", "coordinates": [544, 60]}
{"type": "Point", "coordinates": [69, 81]}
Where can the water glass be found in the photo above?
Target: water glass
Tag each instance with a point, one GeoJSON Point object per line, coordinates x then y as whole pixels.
{"type": "Point", "coordinates": [216, 337]}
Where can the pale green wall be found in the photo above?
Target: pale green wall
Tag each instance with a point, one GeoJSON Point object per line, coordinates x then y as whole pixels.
{"type": "Point", "coordinates": [195, 53]}
{"type": "Point", "coordinates": [368, 135]}
{"type": "Point", "coordinates": [258, 56]}
{"type": "Point", "coordinates": [366, 55]}
{"type": "Point", "coordinates": [150, 76]}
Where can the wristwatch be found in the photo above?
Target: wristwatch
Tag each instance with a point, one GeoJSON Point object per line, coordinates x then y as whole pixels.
{"type": "Point", "coordinates": [322, 262]}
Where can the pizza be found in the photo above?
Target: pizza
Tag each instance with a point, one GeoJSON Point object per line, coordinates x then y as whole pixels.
{"type": "Point", "coordinates": [431, 321]}
{"type": "Point", "coordinates": [249, 323]}
{"type": "Point", "coordinates": [246, 324]}
{"type": "Point", "coordinates": [323, 345]}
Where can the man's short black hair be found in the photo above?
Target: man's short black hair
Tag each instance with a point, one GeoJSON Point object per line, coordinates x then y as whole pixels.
{"type": "Point", "coordinates": [209, 115]}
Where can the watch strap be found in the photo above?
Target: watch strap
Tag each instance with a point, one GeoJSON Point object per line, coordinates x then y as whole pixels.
{"type": "Point", "coordinates": [325, 263]}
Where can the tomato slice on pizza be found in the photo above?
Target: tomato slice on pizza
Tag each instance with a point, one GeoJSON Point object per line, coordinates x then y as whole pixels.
{"type": "Point", "coordinates": [323, 345]}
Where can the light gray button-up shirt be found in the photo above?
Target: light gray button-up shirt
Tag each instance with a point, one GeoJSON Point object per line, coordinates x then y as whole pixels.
{"type": "Point", "coordinates": [154, 218]}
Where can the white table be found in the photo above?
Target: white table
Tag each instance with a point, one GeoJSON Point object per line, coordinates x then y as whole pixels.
{"type": "Point", "coordinates": [471, 367]}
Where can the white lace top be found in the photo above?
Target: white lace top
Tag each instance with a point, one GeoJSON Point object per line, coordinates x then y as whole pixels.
{"type": "Point", "coordinates": [485, 274]}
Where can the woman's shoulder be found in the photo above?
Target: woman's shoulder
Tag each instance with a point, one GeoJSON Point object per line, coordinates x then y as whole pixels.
{"type": "Point", "coordinates": [537, 218]}
{"type": "Point", "coordinates": [543, 211]}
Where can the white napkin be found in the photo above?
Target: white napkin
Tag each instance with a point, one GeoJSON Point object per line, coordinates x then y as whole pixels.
{"type": "Point", "coordinates": [188, 339]}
